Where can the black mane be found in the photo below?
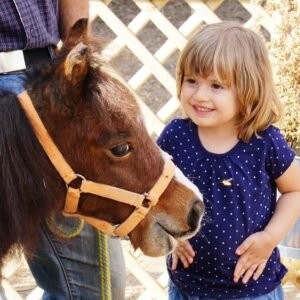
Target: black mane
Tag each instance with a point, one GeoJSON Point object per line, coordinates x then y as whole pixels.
{"type": "Point", "coordinates": [27, 183]}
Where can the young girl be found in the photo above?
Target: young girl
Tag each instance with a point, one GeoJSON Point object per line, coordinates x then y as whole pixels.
{"type": "Point", "coordinates": [228, 146]}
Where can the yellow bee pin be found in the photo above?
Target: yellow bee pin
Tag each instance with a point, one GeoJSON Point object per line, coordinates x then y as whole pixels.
{"type": "Point", "coordinates": [227, 182]}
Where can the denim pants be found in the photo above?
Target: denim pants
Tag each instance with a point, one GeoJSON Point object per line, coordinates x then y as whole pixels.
{"type": "Point", "coordinates": [174, 293]}
{"type": "Point", "coordinates": [86, 266]}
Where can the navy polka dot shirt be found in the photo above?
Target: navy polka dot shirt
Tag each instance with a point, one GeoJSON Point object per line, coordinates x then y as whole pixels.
{"type": "Point", "coordinates": [240, 197]}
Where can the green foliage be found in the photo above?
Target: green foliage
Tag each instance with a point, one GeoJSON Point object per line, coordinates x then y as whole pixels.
{"type": "Point", "coordinates": [284, 49]}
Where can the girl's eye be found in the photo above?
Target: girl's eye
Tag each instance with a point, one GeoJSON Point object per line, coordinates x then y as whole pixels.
{"type": "Point", "coordinates": [217, 86]}
{"type": "Point", "coordinates": [190, 80]}
{"type": "Point", "coordinates": [121, 150]}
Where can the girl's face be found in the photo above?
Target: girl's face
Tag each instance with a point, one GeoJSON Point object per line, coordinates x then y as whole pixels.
{"type": "Point", "coordinates": [208, 102]}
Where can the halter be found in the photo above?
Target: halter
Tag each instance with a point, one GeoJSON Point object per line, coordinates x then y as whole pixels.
{"type": "Point", "coordinates": [142, 202]}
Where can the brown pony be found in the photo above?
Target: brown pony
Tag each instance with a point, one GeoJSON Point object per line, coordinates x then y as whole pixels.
{"type": "Point", "coordinates": [95, 122]}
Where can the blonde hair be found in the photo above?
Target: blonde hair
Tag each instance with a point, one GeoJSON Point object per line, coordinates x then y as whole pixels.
{"type": "Point", "coordinates": [238, 57]}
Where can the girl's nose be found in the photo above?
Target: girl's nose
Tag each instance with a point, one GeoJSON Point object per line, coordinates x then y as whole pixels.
{"type": "Point", "coordinates": [202, 93]}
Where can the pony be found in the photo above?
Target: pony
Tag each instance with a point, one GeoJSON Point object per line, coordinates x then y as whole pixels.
{"type": "Point", "coordinates": [93, 125]}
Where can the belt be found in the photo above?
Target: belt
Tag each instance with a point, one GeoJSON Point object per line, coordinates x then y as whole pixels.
{"type": "Point", "coordinates": [18, 60]}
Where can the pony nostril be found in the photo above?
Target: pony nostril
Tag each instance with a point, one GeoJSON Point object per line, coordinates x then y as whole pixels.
{"type": "Point", "coordinates": [196, 214]}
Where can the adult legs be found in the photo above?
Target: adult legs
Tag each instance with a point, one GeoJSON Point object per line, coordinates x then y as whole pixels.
{"type": "Point", "coordinates": [88, 265]}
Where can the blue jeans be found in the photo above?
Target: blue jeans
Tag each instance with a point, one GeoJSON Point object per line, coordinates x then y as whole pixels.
{"type": "Point", "coordinates": [81, 267]}
{"type": "Point", "coordinates": [175, 293]}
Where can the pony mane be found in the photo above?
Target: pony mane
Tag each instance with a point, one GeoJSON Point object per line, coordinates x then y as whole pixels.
{"type": "Point", "coordinates": [25, 198]}
{"type": "Point", "coordinates": [103, 88]}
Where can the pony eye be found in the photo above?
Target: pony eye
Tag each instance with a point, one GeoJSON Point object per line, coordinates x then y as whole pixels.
{"type": "Point", "coordinates": [121, 150]}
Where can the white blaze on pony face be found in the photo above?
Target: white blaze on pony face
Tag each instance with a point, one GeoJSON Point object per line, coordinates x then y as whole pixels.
{"type": "Point", "coordinates": [180, 177]}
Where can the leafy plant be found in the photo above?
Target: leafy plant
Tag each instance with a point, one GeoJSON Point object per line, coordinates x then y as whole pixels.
{"type": "Point", "coordinates": [284, 49]}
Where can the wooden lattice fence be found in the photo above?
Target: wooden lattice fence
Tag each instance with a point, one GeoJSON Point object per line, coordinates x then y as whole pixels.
{"type": "Point", "coordinates": [146, 38]}
{"type": "Point", "coordinates": [153, 64]}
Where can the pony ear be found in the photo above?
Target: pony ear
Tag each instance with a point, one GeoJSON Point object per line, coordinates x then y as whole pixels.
{"type": "Point", "coordinates": [76, 64]}
{"type": "Point", "coordinates": [77, 33]}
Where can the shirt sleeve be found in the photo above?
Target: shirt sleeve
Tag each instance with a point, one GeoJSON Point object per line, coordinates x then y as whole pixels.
{"type": "Point", "coordinates": [279, 154]}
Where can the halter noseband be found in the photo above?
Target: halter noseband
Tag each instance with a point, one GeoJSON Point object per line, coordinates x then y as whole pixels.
{"type": "Point", "coordinates": [142, 202]}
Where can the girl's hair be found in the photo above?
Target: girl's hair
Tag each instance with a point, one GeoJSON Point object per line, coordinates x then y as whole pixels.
{"type": "Point", "coordinates": [237, 57]}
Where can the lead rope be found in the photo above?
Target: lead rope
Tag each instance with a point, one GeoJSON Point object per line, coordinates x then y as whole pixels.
{"type": "Point", "coordinates": [102, 247]}
{"type": "Point", "coordinates": [104, 266]}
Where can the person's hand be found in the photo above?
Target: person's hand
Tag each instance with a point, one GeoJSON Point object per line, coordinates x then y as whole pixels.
{"type": "Point", "coordinates": [183, 251]}
{"type": "Point", "coordinates": [253, 254]}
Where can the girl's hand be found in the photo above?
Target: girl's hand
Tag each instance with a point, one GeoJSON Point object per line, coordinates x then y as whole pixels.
{"type": "Point", "coordinates": [253, 254]}
{"type": "Point", "coordinates": [183, 251]}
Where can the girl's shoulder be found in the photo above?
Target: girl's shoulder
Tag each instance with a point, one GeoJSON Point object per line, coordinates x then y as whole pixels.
{"type": "Point", "coordinates": [179, 122]}
{"type": "Point", "coordinates": [278, 153]}
{"type": "Point", "coordinates": [178, 125]}
{"type": "Point", "coordinates": [176, 132]}
{"type": "Point", "coordinates": [272, 136]}
{"type": "Point", "coordinates": [272, 132]}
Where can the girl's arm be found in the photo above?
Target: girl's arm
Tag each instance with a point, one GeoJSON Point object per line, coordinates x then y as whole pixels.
{"type": "Point", "coordinates": [288, 205]}
{"type": "Point", "coordinates": [255, 251]}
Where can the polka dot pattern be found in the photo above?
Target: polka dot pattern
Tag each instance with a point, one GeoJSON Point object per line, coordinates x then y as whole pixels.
{"type": "Point", "coordinates": [240, 197]}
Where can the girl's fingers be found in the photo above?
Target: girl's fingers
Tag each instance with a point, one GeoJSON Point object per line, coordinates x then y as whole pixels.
{"type": "Point", "coordinates": [249, 273]}
{"type": "Point", "coordinates": [189, 249]}
{"type": "Point", "coordinates": [186, 248]}
{"type": "Point", "coordinates": [184, 261]}
{"type": "Point", "coordinates": [259, 271]}
{"type": "Point", "coordinates": [246, 244]}
{"type": "Point", "coordinates": [174, 261]}
{"type": "Point", "coordinates": [185, 253]}
{"type": "Point", "coordinates": [240, 270]}
{"type": "Point", "coordinates": [185, 258]}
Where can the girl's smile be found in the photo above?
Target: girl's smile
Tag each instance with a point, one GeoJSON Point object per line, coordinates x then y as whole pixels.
{"type": "Point", "coordinates": [202, 111]}
{"type": "Point", "coordinates": [209, 103]}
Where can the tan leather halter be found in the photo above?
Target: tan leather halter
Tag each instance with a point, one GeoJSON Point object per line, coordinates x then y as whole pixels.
{"type": "Point", "coordinates": [142, 202]}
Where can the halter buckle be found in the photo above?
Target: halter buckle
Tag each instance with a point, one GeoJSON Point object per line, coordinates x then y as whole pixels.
{"type": "Point", "coordinates": [77, 176]}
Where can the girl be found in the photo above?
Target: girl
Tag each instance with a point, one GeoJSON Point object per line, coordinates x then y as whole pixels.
{"type": "Point", "coordinates": [228, 146]}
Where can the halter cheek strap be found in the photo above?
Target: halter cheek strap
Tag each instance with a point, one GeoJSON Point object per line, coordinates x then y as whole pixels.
{"type": "Point", "coordinates": [142, 202]}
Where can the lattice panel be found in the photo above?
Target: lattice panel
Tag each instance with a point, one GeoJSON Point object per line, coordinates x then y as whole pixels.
{"type": "Point", "coordinates": [153, 64]}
